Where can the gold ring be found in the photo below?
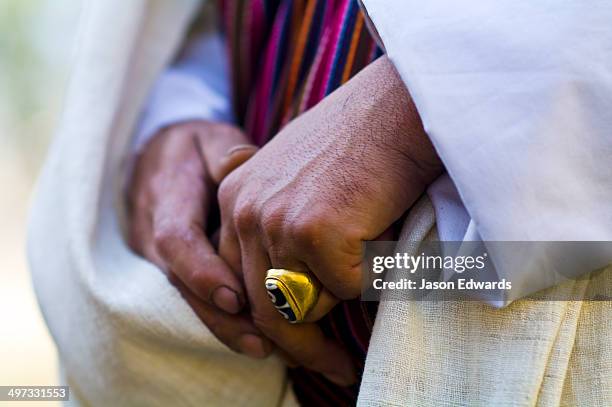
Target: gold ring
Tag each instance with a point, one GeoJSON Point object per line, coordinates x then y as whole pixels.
{"type": "Point", "coordinates": [293, 293]}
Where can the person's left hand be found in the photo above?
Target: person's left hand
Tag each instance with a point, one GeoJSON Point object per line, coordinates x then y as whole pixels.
{"type": "Point", "coordinates": [171, 200]}
{"type": "Point", "coordinates": [338, 175]}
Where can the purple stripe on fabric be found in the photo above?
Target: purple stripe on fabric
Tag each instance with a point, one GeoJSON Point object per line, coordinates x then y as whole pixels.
{"type": "Point", "coordinates": [330, 34]}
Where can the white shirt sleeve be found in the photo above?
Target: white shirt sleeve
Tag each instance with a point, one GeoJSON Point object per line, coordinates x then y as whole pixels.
{"type": "Point", "coordinates": [196, 87]}
{"type": "Point", "coordinates": [516, 96]}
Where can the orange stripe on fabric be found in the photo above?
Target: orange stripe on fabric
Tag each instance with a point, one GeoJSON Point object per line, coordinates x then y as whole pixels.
{"type": "Point", "coordinates": [298, 54]}
{"type": "Point", "coordinates": [296, 17]}
{"type": "Point", "coordinates": [350, 58]}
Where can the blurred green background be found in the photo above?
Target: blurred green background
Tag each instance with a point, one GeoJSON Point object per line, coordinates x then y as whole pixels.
{"type": "Point", "coordinates": [37, 41]}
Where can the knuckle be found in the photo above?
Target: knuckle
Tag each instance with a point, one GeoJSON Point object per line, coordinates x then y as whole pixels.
{"type": "Point", "coordinates": [245, 217]}
{"type": "Point", "coordinates": [208, 261]}
{"type": "Point", "coordinates": [308, 231]}
{"type": "Point", "coordinates": [225, 192]}
{"type": "Point", "coordinates": [166, 237]}
{"type": "Point", "coordinates": [163, 241]}
{"type": "Point", "coordinates": [273, 222]}
{"type": "Point", "coordinates": [201, 278]}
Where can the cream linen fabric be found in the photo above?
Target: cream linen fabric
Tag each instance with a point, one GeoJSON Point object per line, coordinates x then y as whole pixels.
{"type": "Point", "coordinates": [470, 354]}
{"type": "Point", "coordinates": [125, 336]}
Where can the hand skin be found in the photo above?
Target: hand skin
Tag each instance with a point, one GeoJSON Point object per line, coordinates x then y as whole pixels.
{"type": "Point", "coordinates": [174, 181]}
{"type": "Point", "coordinates": [336, 176]}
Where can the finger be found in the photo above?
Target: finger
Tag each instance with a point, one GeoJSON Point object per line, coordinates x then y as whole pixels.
{"type": "Point", "coordinates": [193, 260]}
{"type": "Point", "coordinates": [140, 238]}
{"type": "Point", "coordinates": [181, 243]}
{"type": "Point", "coordinates": [280, 258]}
{"type": "Point", "coordinates": [229, 247]}
{"type": "Point", "coordinates": [237, 332]}
{"type": "Point", "coordinates": [222, 153]}
{"type": "Point", "coordinates": [220, 167]}
{"type": "Point", "coordinates": [229, 244]}
{"type": "Point", "coordinates": [304, 343]}
{"type": "Point", "coordinates": [328, 261]}
{"type": "Point", "coordinates": [331, 262]}
{"type": "Point", "coordinates": [336, 260]}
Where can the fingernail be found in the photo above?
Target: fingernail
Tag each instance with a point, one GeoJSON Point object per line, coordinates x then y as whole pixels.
{"type": "Point", "coordinates": [227, 299]}
{"type": "Point", "coordinates": [240, 147]}
{"type": "Point", "coordinates": [253, 346]}
{"type": "Point", "coordinates": [341, 379]}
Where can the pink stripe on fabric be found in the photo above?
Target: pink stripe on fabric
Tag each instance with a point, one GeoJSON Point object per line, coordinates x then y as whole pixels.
{"type": "Point", "coordinates": [257, 123]}
{"type": "Point", "coordinates": [341, 17]}
{"type": "Point", "coordinates": [335, 26]}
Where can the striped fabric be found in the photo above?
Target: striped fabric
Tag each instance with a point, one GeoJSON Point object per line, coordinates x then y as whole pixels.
{"type": "Point", "coordinates": [285, 56]}
{"type": "Point", "coordinates": [350, 323]}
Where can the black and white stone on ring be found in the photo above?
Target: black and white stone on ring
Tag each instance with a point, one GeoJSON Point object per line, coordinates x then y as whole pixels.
{"type": "Point", "coordinates": [280, 301]}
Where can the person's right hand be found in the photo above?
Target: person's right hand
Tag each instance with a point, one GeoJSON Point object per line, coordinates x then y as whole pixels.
{"type": "Point", "coordinates": [170, 196]}
{"type": "Point", "coordinates": [333, 178]}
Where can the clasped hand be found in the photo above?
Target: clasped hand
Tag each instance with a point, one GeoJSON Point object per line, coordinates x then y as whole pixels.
{"type": "Point", "coordinates": [336, 176]}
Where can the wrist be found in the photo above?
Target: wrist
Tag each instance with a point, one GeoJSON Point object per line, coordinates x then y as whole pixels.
{"type": "Point", "coordinates": [388, 115]}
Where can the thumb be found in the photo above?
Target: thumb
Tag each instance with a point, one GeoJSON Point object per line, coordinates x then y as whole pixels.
{"type": "Point", "coordinates": [232, 159]}
{"type": "Point", "coordinates": [224, 147]}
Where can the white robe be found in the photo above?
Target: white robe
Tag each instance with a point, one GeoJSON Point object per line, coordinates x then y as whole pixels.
{"type": "Point", "coordinates": [515, 96]}
{"type": "Point", "coordinates": [126, 337]}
